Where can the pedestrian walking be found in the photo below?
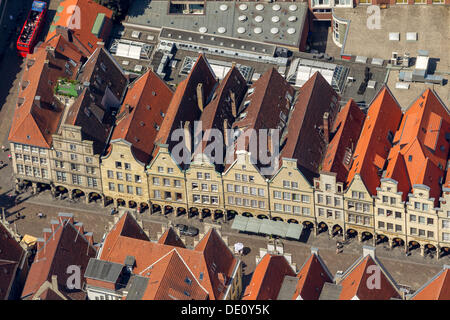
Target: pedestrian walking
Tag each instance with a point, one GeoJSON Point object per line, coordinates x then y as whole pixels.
{"type": "Point", "coordinates": [9, 157]}
{"type": "Point", "coordinates": [3, 148]}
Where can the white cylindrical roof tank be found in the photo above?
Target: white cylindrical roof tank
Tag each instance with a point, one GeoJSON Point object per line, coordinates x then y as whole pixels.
{"type": "Point", "coordinates": [292, 18]}
{"type": "Point", "coordinates": [240, 30]}
{"type": "Point", "coordinates": [221, 30]}
{"type": "Point", "coordinates": [259, 18]}
{"type": "Point", "coordinates": [257, 30]}
{"type": "Point", "coordinates": [275, 19]}
{"type": "Point", "coordinates": [243, 7]}
{"type": "Point", "coordinates": [223, 7]}
{"type": "Point", "coordinates": [293, 7]}
{"type": "Point", "coordinates": [242, 18]}
{"type": "Point", "coordinates": [274, 30]}
{"type": "Point", "coordinates": [259, 7]}
{"type": "Point", "coordinates": [203, 29]}
{"type": "Point", "coordinates": [291, 30]}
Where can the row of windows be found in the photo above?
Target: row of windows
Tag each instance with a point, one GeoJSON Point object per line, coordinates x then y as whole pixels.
{"type": "Point", "coordinates": [278, 207]}
{"type": "Point", "coordinates": [420, 219]}
{"type": "Point", "coordinates": [121, 188]}
{"type": "Point", "coordinates": [205, 199]}
{"type": "Point", "coordinates": [166, 182]}
{"type": "Point", "coordinates": [76, 179]}
{"type": "Point", "coordinates": [291, 196]}
{"type": "Point", "coordinates": [28, 158]}
{"type": "Point", "coordinates": [167, 195]}
{"type": "Point", "coordinates": [390, 200]}
{"type": "Point", "coordinates": [363, 207]}
{"type": "Point", "coordinates": [75, 167]}
{"type": "Point", "coordinates": [73, 157]}
{"type": "Point", "coordinates": [246, 202]}
{"type": "Point", "coordinates": [421, 206]}
{"type": "Point", "coordinates": [245, 190]}
{"type": "Point", "coordinates": [20, 147]}
{"type": "Point", "coordinates": [32, 171]}
{"type": "Point", "coordinates": [421, 232]}
{"type": "Point", "coordinates": [389, 226]}
{"type": "Point", "coordinates": [128, 176]}
{"type": "Point", "coordinates": [126, 165]}
{"type": "Point", "coordinates": [382, 212]}
{"type": "Point", "coordinates": [169, 170]}
{"type": "Point", "coordinates": [329, 200]}
{"type": "Point", "coordinates": [328, 187]}
{"type": "Point", "coordinates": [244, 177]}
{"type": "Point", "coordinates": [359, 219]}
{"type": "Point", "coordinates": [205, 187]}
{"type": "Point", "coordinates": [329, 214]}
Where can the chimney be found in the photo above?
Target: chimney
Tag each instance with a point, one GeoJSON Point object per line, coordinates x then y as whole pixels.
{"type": "Point", "coordinates": [187, 135]}
{"type": "Point", "coordinates": [100, 44]}
{"type": "Point", "coordinates": [37, 101]}
{"type": "Point", "coordinates": [369, 250]}
{"type": "Point", "coordinates": [39, 244]}
{"type": "Point", "coordinates": [233, 104]}
{"type": "Point", "coordinates": [54, 224]}
{"type": "Point", "coordinates": [339, 276]}
{"type": "Point", "coordinates": [47, 233]}
{"type": "Point", "coordinates": [50, 50]}
{"type": "Point", "coordinates": [55, 282]}
{"type": "Point", "coordinates": [200, 96]}
{"type": "Point", "coordinates": [89, 237]}
{"type": "Point", "coordinates": [269, 143]}
{"type": "Point", "coordinates": [315, 251]}
{"type": "Point", "coordinates": [233, 64]}
{"type": "Point", "coordinates": [326, 129]}
{"type": "Point", "coordinates": [225, 131]}
{"type": "Point", "coordinates": [79, 227]}
{"type": "Point", "coordinates": [65, 217]}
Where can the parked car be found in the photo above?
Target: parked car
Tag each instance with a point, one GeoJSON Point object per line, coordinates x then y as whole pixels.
{"type": "Point", "coordinates": [187, 230]}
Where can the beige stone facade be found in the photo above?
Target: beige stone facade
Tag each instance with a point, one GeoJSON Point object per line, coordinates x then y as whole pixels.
{"type": "Point", "coordinates": [204, 188]}
{"type": "Point", "coordinates": [444, 220]}
{"type": "Point", "coordinates": [329, 203]}
{"type": "Point", "coordinates": [291, 195]}
{"type": "Point", "coordinates": [75, 167]}
{"type": "Point", "coordinates": [167, 184]}
{"type": "Point", "coordinates": [245, 189]}
{"type": "Point", "coordinates": [124, 177]}
{"type": "Point", "coordinates": [390, 214]}
{"type": "Point", "coordinates": [358, 208]}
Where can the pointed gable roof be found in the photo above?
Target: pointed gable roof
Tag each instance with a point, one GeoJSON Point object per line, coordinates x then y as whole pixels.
{"type": "Point", "coordinates": [437, 288]}
{"type": "Point", "coordinates": [142, 113]}
{"type": "Point", "coordinates": [421, 142]}
{"type": "Point", "coordinates": [355, 282]}
{"type": "Point", "coordinates": [171, 238]}
{"type": "Point", "coordinates": [346, 130]}
{"type": "Point", "coordinates": [268, 278]}
{"type": "Point", "coordinates": [383, 118]}
{"type": "Point", "coordinates": [304, 140]}
{"type": "Point", "coordinates": [311, 278]}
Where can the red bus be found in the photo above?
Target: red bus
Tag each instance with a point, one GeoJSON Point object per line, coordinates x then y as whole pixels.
{"type": "Point", "coordinates": [31, 28]}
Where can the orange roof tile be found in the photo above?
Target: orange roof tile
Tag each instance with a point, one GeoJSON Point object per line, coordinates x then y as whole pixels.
{"type": "Point", "coordinates": [421, 142]}
{"type": "Point", "coordinates": [356, 283]}
{"type": "Point", "coordinates": [346, 130]}
{"type": "Point", "coordinates": [438, 288]}
{"type": "Point", "coordinates": [142, 113]}
{"type": "Point", "coordinates": [311, 279]}
{"type": "Point", "coordinates": [268, 277]}
{"type": "Point", "coordinates": [372, 150]}
{"type": "Point", "coordinates": [81, 20]}
{"type": "Point", "coordinates": [170, 238]}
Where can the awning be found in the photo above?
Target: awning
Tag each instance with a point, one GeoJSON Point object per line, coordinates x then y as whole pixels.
{"type": "Point", "coordinates": [253, 225]}
{"type": "Point", "coordinates": [273, 227]}
{"type": "Point", "coordinates": [239, 223]}
{"type": "Point", "coordinates": [294, 230]}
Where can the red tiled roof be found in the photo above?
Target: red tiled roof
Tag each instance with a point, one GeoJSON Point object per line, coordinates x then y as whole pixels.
{"type": "Point", "coordinates": [81, 20]}
{"type": "Point", "coordinates": [31, 124]}
{"type": "Point", "coordinates": [268, 278]}
{"type": "Point", "coordinates": [311, 279]}
{"type": "Point", "coordinates": [305, 141]}
{"type": "Point", "coordinates": [346, 129]}
{"type": "Point", "coordinates": [383, 117]}
{"type": "Point", "coordinates": [210, 262]}
{"type": "Point", "coordinates": [62, 247]}
{"type": "Point", "coordinates": [183, 106]}
{"type": "Point", "coordinates": [171, 238]}
{"type": "Point", "coordinates": [437, 288]}
{"type": "Point", "coordinates": [356, 283]}
{"type": "Point", "coordinates": [421, 146]}
{"type": "Point", "coordinates": [143, 110]}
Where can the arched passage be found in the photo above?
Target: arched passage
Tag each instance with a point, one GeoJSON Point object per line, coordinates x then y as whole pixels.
{"type": "Point", "coordinates": [262, 216]}
{"type": "Point", "coordinates": [277, 219]}
{"type": "Point", "coordinates": [247, 214]}
{"type": "Point", "coordinates": [292, 221]}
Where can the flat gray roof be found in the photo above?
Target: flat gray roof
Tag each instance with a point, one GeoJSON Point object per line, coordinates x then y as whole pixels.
{"type": "Point", "coordinates": [287, 288]}
{"type": "Point", "coordinates": [154, 14]}
{"type": "Point", "coordinates": [330, 291]}
{"type": "Point", "coordinates": [137, 287]}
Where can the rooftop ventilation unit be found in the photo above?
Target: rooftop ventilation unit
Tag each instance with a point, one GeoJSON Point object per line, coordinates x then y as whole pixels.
{"type": "Point", "coordinates": [223, 7]}
{"type": "Point", "coordinates": [203, 29]}
{"type": "Point", "coordinates": [293, 7]}
{"type": "Point", "coordinates": [259, 7]}
{"type": "Point", "coordinates": [274, 30]}
{"type": "Point", "coordinates": [243, 7]}
{"type": "Point", "coordinates": [275, 19]}
{"type": "Point", "coordinates": [259, 19]}
{"type": "Point", "coordinates": [242, 18]}
{"type": "Point", "coordinates": [257, 30]}
{"type": "Point", "coordinates": [291, 30]}
{"type": "Point", "coordinates": [240, 30]}
{"type": "Point", "coordinates": [221, 30]}
{"type": "Point", "coordinates": [276, 7]}
{"type": "Point", "coordinates": [292, 18]}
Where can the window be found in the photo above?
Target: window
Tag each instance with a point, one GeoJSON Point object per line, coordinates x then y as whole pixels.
{"type": "Point", "coordinates": [286, 196]}
{"type": "Point", "coordinates": [130, 189]}
{"type": "Point", "coordinates": [277, 194]}
{"type": "Point", "coordinates": [238, 201]}
{"type": "Point", "coordinates": [355, 194]}
{"type": "Point", "coordinates": [169, 170]}
{"type": "Point", "coordinates": [392, 201]}
{"type": "Point", "coordinates": [178, 196]}
{"type": "Point", "coordinates": [445, 224]}
{"type": "Point", "coordinates": [381, 224]}
{"type": "Point", "coordinates": [237, 177]}
{"type": "Point", "coordinates": [207, 176]}
{"type": "Point", "coordinates": [245, 202]}
{"type": "Point", "coordinates": [26, 157]}
{"type": "Point", "coordinates": [73, 147]}
{"type": "Point", "coordinates": [160, 169]}
{"type": "Point", "coordinates": [261, 192]}
{"type": "Point", "coordinates": [351, 204]}
{"type": "Point", "coordinates": [177, 183]}
{"type": "Point", "coordinates": [328, 200]}
{"type": "Point", "coordinates": [166, 182]}
{"type": "Point", "coordinates": [120, 187]}
{"type": "Point", "coordinates": [251, 178]}
{"type": "Point", "coordinates": [430, 221]}
{"type": "Point", "coordinates": [329, 214]}
{"type": "Point", "coordinates": [244, 178]}
{"type": "Point", "coordinates": [230, 188]}
{"type": "Point", "coordinates": [296, 209]}
{"type": "Point", "coordinates": [155, 181]}
{"type": "Point", "coordinates": [321, 212]}
{"type": "Point", "coordinates": [261, 204]}
{"type": "Point", "coordinates": [358, 206]}
{"type": "Point", "coordinates": [380, 211]}
{"type": "Point", "coordinates": [398, 228]}
{"type": "Point", "coordinates": [421, 233]}
{"type": "Point", "coordinates": [254, 203]}
{"type": "Point", "coordinates": [156, 194]}
{"type": "Point", "coordinates": [305, 198]}
{"type": "Point", "coordinates": [118, 165]}
{"type": "Point", "coordinates": [295, 197]}
{"type": "Point", "coordinates": [294, 185]}
{"type": "Point", "coordinates": [287, 208]}
{"type": "Point", "coordinates": [417, 205]}
{"type": "Point", "coordinates": [58, 154]}
{"type": "Point", "coordinates": [19, 156]}
{"type": "Point", "coordinates": [35, 159]}
{"type": "Point", "coordinates": [358, 219]}
{"type": "Point", "coordinates": [424, 207]}
{"type": "Point", "coordinates": [230, 200]}
{"type": "Point", "coordinates": [204, 187]}
{"type": "Point", "coordinates": [44, 173]}
{"type": "Point", "coordinates": [398, 215]}
{"type": "Point", "coordinates": [214, 188]}
{"type": "Point", "coordinates": [119, 175]}
{"type": "Point", "coordinates": [34, 149]}
{"type": "Point", "coordinates": [337, 215]}
{"type": "Point", "coordinates": [127, 166]}
{"type": "Point", "coordinates": [61, 176]}
{"type": "Point", "coordinates": [286, 184]}
{"type": "Point", "coordinates": [390, 226]}
{"type": "Point", "coordinates": [139, 191]}
{"type": "Point", "coordinates": [385, 199]}
{"type": "Point", "coordinates": [327, 187]}
{"type": "Point", "coordinates": [26, 148]}
{"type": "Point", "coordinates": [388, 213]}
{"type": "Point", "coordinates": [92, 182]}
{"type": "Point", "coordinates": [74, 167]}
{"type": "Point", "coordinates": [446, 236]}
{"type": "Point", "coordinates": [421, 220]}
{"type": "Point", "coordinates": [237, 189]}
{"type": "Point", "coordinates": [17, 146]}
{"type": "Point", "coordinates": [214, 199]}
{"type": "Point", "coordinates": [167, 195]}
{"type": "Point", "coordinates": [77, 179]}
{"type": "Point", "coordinates": [278, 207]}
{"type": "Point", "coordinates": [137, 178]}
{"type": "Point", "coordinates": [306, 211]}
{"type": "Point", "coordinates": [412, 218]}
{"type": "Point", "coordinates": [319, 198]}
{"type": "Point", "coordinates": [245, 190]}
{"type": "Point", "coordinates": [88, 160]}
{"type": "Point", "coordinates": [196, 198]}
{"type": "Point", "coordinates": [366, 221]}
{"type": "Point", "coordinates": [337, 202]}
{"type": "Point", "coordinates": [110, 174]}
{"type": "Point", "coordinates": [90, 170]}
{"type": "Point", "coordinates": [73, 157]}
{"type": "Point", "coordinates": [361, 195]}
{"type": "Point", "coordinates": [36, 172]}
{"type": "Point", "coordinates": [254, 191]}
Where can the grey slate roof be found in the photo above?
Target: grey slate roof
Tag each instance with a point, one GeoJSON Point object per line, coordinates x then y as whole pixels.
{"type": "Point", "coordinates": [330, 291]}
{"type": "Point", "coordinates": [103, 270]}
{"type": "Point", "coordinates": [137, 287]}
{"type": "Point", "coordinates": [287, 288]}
